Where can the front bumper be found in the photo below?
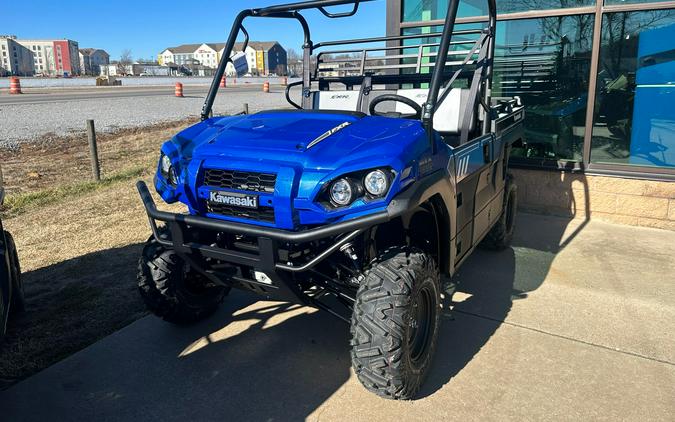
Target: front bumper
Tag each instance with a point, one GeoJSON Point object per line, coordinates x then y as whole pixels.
{"type": "Point", "coordinates": [265, 257]}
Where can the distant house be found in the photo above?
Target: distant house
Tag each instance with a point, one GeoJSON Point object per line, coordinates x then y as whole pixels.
{"type": "Point", "coordinates": [264, 58]}
{"type": "Point", "coordinates": [181, 55]}
{"type": "Point", "coordinates": [91, 60]}
{"type": "Point", "coordinates": [271, 58]}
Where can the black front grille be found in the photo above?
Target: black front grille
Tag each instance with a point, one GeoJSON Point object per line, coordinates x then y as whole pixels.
{"type": "Point", "coordinates": [240, 180]}
{"type": "Point", "coordinates": [265, 214]}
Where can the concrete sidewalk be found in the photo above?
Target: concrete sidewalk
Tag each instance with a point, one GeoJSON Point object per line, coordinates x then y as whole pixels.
{"type": "Point", "coordinates": [575, 322]}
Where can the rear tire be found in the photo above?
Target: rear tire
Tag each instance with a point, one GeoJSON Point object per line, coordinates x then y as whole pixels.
{"type": "Point", "coordinates": [173, 291]}
{"type": "Point", "coordinates": [501, 234]}
{"type": "Point", "coordinates": [395, 323]}
{"type": "Point", "coordinates": [18, 299]}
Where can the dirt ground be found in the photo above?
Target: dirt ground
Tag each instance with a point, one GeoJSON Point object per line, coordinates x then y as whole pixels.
{"type": "Point", "coordinates": [78, 254]}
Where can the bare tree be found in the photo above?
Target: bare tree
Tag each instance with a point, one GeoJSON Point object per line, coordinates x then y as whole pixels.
{"type": "Point", "coordinates": [125, 62]}
{"type": "Point", "coordinates": [294, 59]}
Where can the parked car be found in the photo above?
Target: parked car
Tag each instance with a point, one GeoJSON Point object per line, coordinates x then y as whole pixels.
{"type": "Point", "coordinates": [356, 203]}
{"type": "Point", "coordinates": [11, 288]}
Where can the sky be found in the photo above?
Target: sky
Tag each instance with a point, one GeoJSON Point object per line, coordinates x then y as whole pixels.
{"type": "Point", "coordinates": [147, 27]}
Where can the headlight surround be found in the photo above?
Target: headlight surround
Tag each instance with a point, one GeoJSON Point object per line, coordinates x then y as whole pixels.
{"type": "Point", "coordinates": [376, 183]}
{"type": "Point", "coordinates": [367, 185]}
{"type": "Point", "coordinates": [342, 192]}
{"type": "Point", "coordinates": [166, 170]}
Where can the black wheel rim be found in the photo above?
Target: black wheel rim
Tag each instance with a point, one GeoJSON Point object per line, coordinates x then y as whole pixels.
{"type": "Point", "coordinates": [421, 324]}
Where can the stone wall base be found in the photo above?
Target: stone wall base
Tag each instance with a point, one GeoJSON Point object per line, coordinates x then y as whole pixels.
{"type": "Point", "coordinates": [645, 203]}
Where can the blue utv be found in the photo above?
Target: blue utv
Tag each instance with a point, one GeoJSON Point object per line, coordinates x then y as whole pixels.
{"type": "Point", "coordinates": [384, 177]}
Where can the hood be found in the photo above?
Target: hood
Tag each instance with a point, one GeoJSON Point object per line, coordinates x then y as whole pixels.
{"type": "Point", "coordinates": [288, 137]}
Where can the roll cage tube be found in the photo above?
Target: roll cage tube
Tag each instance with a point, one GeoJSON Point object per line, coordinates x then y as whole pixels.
{"type": "Point", "coordinates": [287, 11]}
{"type": "Point", "coordinates": [291, 11]}
{"type": "Point", "coordinates": [437, 77]}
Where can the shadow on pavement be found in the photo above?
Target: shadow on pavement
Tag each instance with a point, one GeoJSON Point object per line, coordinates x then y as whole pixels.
{"type": "Point", "coordinates": [268, 360]}
{"type": "Point", "coordinates": [486, 287]}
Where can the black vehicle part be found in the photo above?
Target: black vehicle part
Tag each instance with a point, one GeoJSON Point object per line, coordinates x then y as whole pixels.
{"type": "Point", "coordinates": [18, 299]}
{"type": "Point", "coordinates": [395, 323]}
{"type": "Point", "coordinates": [437, 78]}
{"type": "Point", "coordinates": [288, 94]}
{"type": "Point", "coordinates": [171, 290]}
{"type": "Point", "coordinates": [501, 234]}
{"type": "Point", "coordinates": [396, 98]}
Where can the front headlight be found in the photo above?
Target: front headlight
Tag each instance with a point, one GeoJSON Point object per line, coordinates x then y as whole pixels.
{"type": "Point", "coordinates": [341, 192]}
{"type": "Point", "coordinates": [166, 169]}
{"type": "Point", "coordinates": [376, 183]}
{"type": "Point", "coordinates": [366, 185]}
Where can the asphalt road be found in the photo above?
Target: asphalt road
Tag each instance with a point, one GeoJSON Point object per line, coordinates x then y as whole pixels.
{"type": "Point", "coordinates": [58, 95]}
{"type": "Point", "coordinates": [571, 323]}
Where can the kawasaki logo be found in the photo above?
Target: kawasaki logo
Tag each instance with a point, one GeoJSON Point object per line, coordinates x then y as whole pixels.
{"type": "Point", "coordinates": [235, 200]}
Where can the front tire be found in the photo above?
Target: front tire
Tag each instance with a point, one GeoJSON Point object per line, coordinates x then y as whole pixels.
{"type": "Point", "coordinates": [172, 290]}
{"type": "Point", "coordinates": [395, 323]}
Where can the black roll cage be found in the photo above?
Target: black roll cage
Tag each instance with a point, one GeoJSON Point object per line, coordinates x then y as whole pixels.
{"type": "Point", "coordinates": [438, 77]}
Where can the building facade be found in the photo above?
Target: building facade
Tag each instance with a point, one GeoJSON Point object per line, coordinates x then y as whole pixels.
{"type": "Point", "coordinates": [91, 60]}
{"type": "Point", "coordinates": [264, 58]}
{"type": "Point", "coordinates": [15, 59]}
{"type": "Point", "coordinates": [271, 58]}
{"type": "Point", "coordinates": [51, 57]}
{"type": "Point", "coordinates": [598, 82]}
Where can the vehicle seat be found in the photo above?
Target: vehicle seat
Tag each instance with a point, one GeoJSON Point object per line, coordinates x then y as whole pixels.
{"type": "Point", "coordinates": [448, 117]}
{"type": "Point", "coordinates": [336, 100]}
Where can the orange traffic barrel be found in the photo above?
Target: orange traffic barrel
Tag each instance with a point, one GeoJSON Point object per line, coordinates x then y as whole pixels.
{"type": "Point", "coordinates": [284, 81]}
{"type": "Point", "coordinates": [14, 85]}
{"type": "Point", "coordinates": [266, 87]}
{"type": "Point", "coordinates": [223, 82]}
{"type": "Point", "coordinates": [179, 89]}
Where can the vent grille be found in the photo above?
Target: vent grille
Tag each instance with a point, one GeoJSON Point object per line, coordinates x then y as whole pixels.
{"type": "Point", "coordinates": [240, 180]}
{"type": "Point", "coordinates": [265, 214]}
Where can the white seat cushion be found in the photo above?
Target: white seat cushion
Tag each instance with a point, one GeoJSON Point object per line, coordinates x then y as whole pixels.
{"type": "Point", "coordinates": [447, 119]}
{"type": "Point", "coordinates": [336, 100]}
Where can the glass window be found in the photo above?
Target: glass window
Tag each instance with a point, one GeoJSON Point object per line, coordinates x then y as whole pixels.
{"type": "Point", "coordinates": [546, 62]}
{"type": "Point", "coordinates": [422, 10]}
{"type": "Point", "coordinates": [620, 2]}
{"type": "Point", "coordinates": [634, 119]}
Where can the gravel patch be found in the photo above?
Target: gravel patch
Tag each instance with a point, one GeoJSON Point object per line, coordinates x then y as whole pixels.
{"type": "Point", "coordinates": [27, 122]}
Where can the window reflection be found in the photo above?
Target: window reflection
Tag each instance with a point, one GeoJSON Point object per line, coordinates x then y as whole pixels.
{"type": "Point", "coordinates": [634, 120]}
{"type": "Point", "coordinates": [546, 62]}
{"type": "Point", "coordinates": [420, 10]}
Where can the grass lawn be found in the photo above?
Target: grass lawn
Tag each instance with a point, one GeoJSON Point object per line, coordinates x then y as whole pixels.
{"type": "Point", "coordinates": [78, 243]}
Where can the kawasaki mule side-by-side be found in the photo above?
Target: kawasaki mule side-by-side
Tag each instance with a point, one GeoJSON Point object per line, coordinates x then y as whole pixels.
{"type": "Point", "coordinates": [388, 172]}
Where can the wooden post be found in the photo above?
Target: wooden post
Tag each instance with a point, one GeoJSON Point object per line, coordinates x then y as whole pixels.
{"type": "Point", "coordinates": [245, 108]}
{"type": "Point", "coordinates": [93, 151]}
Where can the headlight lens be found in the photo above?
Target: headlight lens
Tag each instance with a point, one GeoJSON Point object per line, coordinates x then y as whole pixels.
{"type": "Point", "coordinates": [376, 183]}
{"type": "Point", "coordinates": [167, 170]}
{"type": "Point", "coordinates": [341, 192]}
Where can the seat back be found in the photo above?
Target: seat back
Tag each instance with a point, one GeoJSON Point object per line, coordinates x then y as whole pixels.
{"type": "Point", "coordinates": [336, 100]}
{"type": "Point", "coordinates": [448, 117]}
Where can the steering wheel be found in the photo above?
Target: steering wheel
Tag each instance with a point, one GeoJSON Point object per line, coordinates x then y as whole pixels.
{"type": "Point", "coordinates": [399, 99]}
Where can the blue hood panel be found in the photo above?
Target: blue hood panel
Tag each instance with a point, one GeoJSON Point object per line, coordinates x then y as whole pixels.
{"type": "Point", "coordinates": [276, 143]}
{"type": "Point", "coordinates": [284, 136]}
